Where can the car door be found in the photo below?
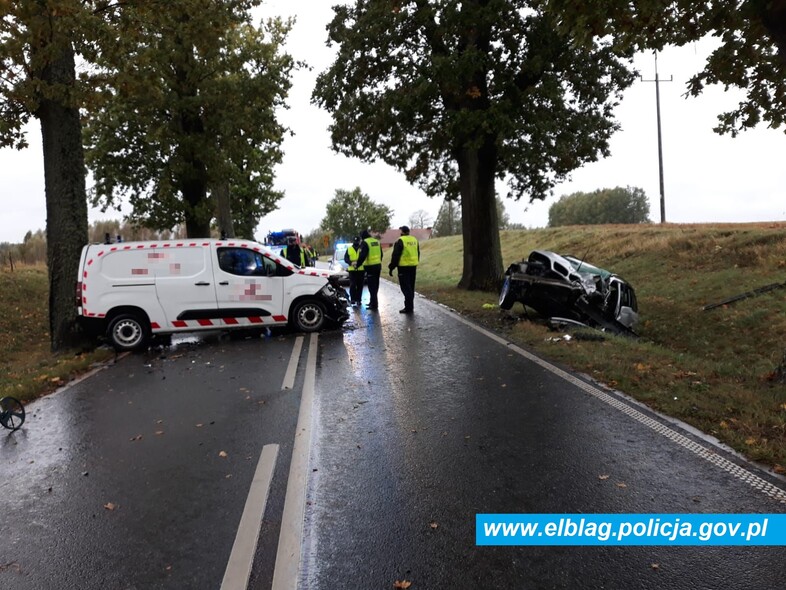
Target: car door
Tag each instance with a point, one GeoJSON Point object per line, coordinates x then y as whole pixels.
{"type": "Point", "coordinates": [184, 283]}
{"type": "Point", "coordinates": [249, 286]}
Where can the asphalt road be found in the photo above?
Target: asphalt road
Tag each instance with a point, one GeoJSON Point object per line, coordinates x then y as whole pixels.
{"type": "Point", "coordinates": [137, 477]}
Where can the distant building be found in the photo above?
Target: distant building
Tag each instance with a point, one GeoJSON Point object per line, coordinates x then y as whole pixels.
{"type": "Point", "coordinates": [389, 237]}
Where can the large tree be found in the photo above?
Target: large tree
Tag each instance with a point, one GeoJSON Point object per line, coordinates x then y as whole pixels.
{"type": "Point", "coordinates": [750, 55]}
{"type": "Point", "coordinates": [350, 212]}
{"type": "Point", "coordinates": [458, 95]}
{"type": "Point", "coordinates": [191, 90]}
{"type": "Point", "coordinates": [38, 79]}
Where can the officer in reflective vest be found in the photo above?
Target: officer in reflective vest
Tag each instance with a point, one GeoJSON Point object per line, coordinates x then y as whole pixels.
{"type": "Point", "coordinates": [294, 253]}
{"type": "Point", "coordinates": [356, 273]}
{"type": "Point", "coordinates": [370, 258]}
{"type": "Point", "coordinates": [406, 256]}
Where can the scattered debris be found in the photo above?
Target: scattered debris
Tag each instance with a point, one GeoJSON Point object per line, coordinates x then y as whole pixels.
{"type": "Point", "coordinates": [746, 295]}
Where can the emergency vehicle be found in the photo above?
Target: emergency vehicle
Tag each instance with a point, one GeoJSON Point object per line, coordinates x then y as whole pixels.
{"type": "Point", "coordinates": [130, 291]}
{"type": "Point", "coordinates": [277, 240]}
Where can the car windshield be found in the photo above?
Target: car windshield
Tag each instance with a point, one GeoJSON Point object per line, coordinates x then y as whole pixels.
{"type": "Point", "coordinates": [340, 250]}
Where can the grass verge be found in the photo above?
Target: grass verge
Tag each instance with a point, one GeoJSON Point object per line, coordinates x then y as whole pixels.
{"type": "Point", "coordinates": [28, 369]}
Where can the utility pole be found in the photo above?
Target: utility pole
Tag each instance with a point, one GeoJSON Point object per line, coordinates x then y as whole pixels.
{"type": "Point", "coordinates": [660, 140]}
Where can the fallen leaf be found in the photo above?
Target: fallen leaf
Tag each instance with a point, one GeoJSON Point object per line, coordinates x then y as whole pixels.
{"type": "Point", "coordinates": [402, 584]}
{"type": "Point", "coordinates": [433, 525]}
{"type": "Point", "coordinates": [779, 469]}
{"type": "Point", "coordinates": [654, 565]}
{"type": "Point", "coordinates": [622, 485]}
{"type": "Point", "coordinates": [750, 441]}
{"type": "Point", "coordinates": [199, 425]}
{"type": "Point", "coordinates": [603, 477]}
{"type": "Point", "coordinates": [223, 454]}
{"type": "Point", "coordinates": [159, 432]}
{"type": "Point", "coordinates": [110, 506]}
{"type": "Point", "coordinates": [137, 437]}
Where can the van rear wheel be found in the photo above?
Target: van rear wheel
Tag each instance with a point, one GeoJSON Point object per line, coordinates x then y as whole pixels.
{"type": "Point", "coordinates": [308, 316]}
{"type": "Point", "coordinates": [128, 331]}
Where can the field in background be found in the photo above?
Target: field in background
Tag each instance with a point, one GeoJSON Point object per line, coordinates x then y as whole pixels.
{"type": "Point", "coordinates": [712, 369]}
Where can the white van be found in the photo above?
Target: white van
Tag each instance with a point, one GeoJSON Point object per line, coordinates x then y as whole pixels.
{"type": "Point", "coordinates": [133, 290]}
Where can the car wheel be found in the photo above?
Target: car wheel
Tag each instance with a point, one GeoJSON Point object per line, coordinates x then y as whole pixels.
{"type": "Point", "coordinates": [128, 331]}
{"type": "Point", "coordinates": [308, 316]}
{"type": "Point", "coordinates": [507, 296]}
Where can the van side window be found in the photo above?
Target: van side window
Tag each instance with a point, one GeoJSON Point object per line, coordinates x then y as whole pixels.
{"type": "Point", "coordinates": [240, 261]}
{"type": "Point", "coordinates": [244, 262]}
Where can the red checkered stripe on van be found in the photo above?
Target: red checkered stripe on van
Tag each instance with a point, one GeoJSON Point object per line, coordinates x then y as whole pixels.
{"type": "Point", "coordinates": [223, 322]}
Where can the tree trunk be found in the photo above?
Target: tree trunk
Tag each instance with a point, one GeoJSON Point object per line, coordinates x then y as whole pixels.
{"type": "Point", "coordinates": [482, 255]}
{"type": "Point", "coordinates": [224, 206]}
{"type": "Point", "coordinates": [66, 200]}
{"type": "Point", "coordinates": [197, 211]}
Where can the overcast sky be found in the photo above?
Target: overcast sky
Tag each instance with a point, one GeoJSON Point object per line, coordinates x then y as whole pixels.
{"type": "Point", "coordinates": [707, 177]}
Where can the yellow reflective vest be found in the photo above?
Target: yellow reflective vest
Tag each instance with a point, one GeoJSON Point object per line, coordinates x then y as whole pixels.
{"type": "Point", "coordinates": [353, 257]}
{"type": "Point", "coordinates": [409, 255]}
{"type": "Point", "coordinates": [302, 256]}
{"type": "Point", "coordinates": [374, 252]}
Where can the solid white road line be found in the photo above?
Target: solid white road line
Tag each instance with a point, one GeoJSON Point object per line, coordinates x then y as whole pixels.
{"type": "Point", "coordinates": [285, 576]}
{"type": "Point", "coordinates": [242, 557]}
{"type": "Point", "coordinates": [289, 378]}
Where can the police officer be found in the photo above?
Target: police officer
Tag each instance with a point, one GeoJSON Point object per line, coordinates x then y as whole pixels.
{"type": "Point", "coordinates": [406, 255]}
{"type": "Point", "coordinates": [294, 253]}
{"type": "Point", "coordinates": [370, 258]}
{"type": "Point", "coordinates": [356, 273]}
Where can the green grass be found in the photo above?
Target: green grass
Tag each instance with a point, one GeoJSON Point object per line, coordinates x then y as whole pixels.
{"type": "Point", "coordinates": [712, 369]}
{"type": "Point", "coordinates": [28, 369]}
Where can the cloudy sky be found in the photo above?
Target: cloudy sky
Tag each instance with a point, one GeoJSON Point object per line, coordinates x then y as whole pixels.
{"type": "Point", "coordinates": [707, 177]}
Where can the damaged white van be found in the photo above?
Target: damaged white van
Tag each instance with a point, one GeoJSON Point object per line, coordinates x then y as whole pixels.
{"type": "Point", "coordinates": [130, 291]}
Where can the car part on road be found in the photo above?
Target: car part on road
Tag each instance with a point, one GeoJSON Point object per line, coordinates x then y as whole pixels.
{"type": "Point", "coordinates": [12, 413]}
{"type": "Point", "coordinates": [569, 290]}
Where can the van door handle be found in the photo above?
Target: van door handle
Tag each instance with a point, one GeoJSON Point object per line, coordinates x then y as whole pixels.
{"type": "Point", "coordinates": [202, 284]}
{"type": "Point", "coordinates": [224, 283]}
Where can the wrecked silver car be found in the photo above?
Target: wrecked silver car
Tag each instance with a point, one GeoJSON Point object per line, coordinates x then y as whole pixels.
{"type": "Point", "coordinates": [569, 291]}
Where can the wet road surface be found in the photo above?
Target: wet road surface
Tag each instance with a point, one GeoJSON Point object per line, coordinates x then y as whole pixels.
{"type": "Point", "coordinates": [424, 422]}
{"type": "Point", "coordinates": [137, 476]}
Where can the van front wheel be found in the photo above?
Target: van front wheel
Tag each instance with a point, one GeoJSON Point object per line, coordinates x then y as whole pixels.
{"type": "Point", "coordinates": [308, 316]}
{"type": "Point", "coordinates": [128, 332]}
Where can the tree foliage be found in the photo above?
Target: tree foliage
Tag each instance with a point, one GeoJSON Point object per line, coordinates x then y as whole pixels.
{"type": "Point", "coordinates": [607, 205]}
{"type": "Point", "coordinates": [189, 94]}
{"type": "Point", "coordinates": [350, 212]}
{"type": "Point", "coordinates": [751, 54]}
{"type": "Point", "coordinates": [448, 222]}
{"type": "Point", "coordinates": [458, 95]}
